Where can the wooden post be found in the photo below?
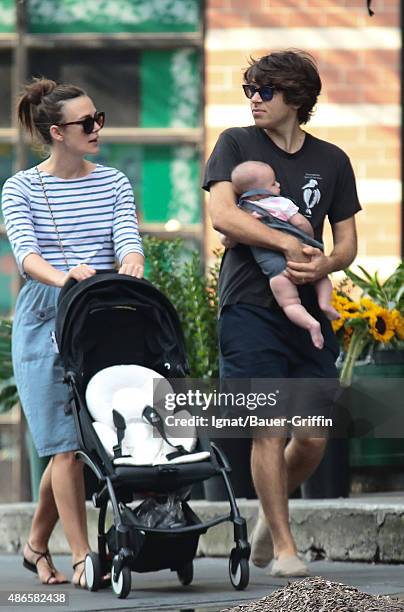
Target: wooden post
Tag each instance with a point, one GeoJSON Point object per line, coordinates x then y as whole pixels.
{"type": "Point", "coordinates": [19, 77]}
{"type": "Point", "coordinates": [402, 129]}
{"type": "Point", "coordinates": [20, 162]}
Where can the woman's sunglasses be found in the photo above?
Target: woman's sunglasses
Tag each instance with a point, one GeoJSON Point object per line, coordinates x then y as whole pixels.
{"type": "Point", "coordinates": [266, 92]}
{"type": "Point", "coordinates": [89, 122]}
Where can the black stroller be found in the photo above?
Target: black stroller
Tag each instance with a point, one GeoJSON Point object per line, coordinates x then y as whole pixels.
{"type": "Point", "coordinates": [113, 319]}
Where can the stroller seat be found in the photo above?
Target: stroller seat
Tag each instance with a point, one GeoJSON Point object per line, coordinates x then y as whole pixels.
{"type": "Point", "coordinates": [128, 389]}
{"type": "Point", "coordinates": [164, 478]}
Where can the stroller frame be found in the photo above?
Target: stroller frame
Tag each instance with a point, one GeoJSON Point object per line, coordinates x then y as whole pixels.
{"type": "Point", "coordinates": [134, 546]}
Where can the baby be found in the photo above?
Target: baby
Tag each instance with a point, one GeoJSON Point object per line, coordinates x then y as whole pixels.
{"type": "Point", "coordinates": [256, 184]}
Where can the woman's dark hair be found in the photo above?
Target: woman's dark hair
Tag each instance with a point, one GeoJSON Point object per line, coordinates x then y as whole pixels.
{"type": "Point", "coordinates": [292, 72]}
{"type": "Point", "coordinates": [41, 105]}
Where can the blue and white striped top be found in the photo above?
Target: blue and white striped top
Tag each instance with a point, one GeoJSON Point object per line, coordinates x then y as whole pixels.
{"type": "Point", "coordinates": [95, 217]}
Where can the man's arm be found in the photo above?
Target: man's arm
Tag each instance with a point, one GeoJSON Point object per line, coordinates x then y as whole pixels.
{"type": "Point", "coordinates": [242, 227]}
{"type": "Point", "coordinates": [342, 255]}
{"type": "Point", "coordinates": [227, 242]}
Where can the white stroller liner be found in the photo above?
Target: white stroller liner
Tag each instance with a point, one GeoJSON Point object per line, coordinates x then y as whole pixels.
{"type": "Point", "coordinates": [128, 390]}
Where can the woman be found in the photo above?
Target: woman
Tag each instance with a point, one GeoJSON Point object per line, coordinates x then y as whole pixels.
{"type": "Point", "coordinates": [65, 218]}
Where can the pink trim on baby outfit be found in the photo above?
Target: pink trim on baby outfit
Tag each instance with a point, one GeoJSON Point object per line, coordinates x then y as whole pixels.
{"type": "Point", "coordinates": [278, 206]}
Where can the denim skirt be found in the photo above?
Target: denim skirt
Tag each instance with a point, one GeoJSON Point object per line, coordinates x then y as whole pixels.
{"type": "Point", "coordinates": [38, 370]}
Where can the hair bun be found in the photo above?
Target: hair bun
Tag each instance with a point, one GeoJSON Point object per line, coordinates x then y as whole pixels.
{"type": "Point", "coordinates": [38, 89]}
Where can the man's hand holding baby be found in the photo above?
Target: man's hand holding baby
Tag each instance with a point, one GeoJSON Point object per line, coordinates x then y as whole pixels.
{"type": "Point", "coordinates": [302, 272]}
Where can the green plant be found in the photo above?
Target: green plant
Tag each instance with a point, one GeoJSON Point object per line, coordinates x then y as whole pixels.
{"type": "Point", "coordinates": [8, 390]}
{"type": "Point", "coordinates": [194, 295]}
{"type": "Point", "coordinates": [389, 294]}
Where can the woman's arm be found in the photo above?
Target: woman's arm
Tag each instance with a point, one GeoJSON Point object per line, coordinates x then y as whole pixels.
{"type": "Point", "coordinates": [21, 234]}
{"type": "Point", "coordinates": [126, 237]}
{"type": "Point", "coordinates": [133, 264]}
{"type": "Point", "coordinates": [37, 268]}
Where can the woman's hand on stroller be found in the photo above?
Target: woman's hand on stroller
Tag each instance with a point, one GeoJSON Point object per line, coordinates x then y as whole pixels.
{"type": "Point", "coordinates": [133, 265]}
{"type": "Point", "coordinates": [79, 273]}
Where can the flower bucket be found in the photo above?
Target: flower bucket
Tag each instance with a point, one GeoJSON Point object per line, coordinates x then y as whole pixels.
{"type": "Point", "coordinates": [365, 452]}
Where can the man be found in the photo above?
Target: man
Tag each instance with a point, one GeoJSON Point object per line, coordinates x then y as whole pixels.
{"type": "Point", "coordinates": [256, 339]}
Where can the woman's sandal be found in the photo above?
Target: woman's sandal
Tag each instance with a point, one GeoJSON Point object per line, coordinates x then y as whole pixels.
{"type": "Point", "coordinates": [78, 584]}
{"type": "Point", "coordinates": [33, 567]}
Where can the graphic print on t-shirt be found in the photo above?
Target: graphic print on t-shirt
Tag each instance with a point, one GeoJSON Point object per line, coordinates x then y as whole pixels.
{"type": "Point", "coordinates": [311, 192]}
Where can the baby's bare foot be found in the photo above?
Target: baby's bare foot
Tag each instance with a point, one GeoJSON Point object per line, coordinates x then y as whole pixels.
{"type": "Point", "coordinates": [330, 312]}
{"type": "Point", "coordinates": [316, 335]}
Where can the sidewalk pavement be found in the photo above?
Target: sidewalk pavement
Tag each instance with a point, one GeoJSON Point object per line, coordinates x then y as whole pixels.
{"type": "Point", "coordinates": [346, 534]}
{"type": "Point", "coordinates": [210, 591]}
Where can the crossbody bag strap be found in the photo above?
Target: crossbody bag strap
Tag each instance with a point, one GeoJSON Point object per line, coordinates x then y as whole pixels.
{"type": "Point", "coordinates": [53, 218]}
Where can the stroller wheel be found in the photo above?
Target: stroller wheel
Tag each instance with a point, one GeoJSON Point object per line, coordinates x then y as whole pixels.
{"type": "Point", "coordinates": [239, 571]}
{"type": "Point", "coordinates": [186, 573]}
{"type": "Point", "coordinates": [92, 568]}
{"type": "Point", "coordinates": [121, 585]}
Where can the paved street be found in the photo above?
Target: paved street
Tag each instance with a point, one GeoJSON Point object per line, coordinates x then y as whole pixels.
{"type": "Point", "coordinates": [210, 591]}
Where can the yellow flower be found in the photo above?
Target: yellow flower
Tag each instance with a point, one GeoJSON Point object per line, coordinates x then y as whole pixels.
{"type": "Point", "coordinates": [382, 325]}
{"type": "Point", "coordinates": [352, 314]}
{"type": "Point", "coordinates": [368, 304]}
{"type": "Point", "coordinates": [337, 324]}
{"type": "Point", "coordinates": [398, 324]}
{"type": "Point", "coordinates": [338, 301]}
{"type": "Point", "coordinates": [352, 308]}
{"type": "Point", "coordinates": [371, 313]}
{"type": "Point", "coordinates": [347, 308]}
{"type": "Point", "coordinates": [341, 301]}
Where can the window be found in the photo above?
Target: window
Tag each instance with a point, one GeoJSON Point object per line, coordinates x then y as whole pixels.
{"type": "Point", "coordinates": [5, 80]}
{"type": "Point", "coordinates": [110, 77]}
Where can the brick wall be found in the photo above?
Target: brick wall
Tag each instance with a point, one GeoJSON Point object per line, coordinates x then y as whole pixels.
{"type": "Point", "coordinates": [300, 13]}
{"type": "Point", "coordinates": [359, 108]}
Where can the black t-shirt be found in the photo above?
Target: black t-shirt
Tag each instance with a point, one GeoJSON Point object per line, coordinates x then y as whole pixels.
{"type": "Point", "coordinates": [318, 178]}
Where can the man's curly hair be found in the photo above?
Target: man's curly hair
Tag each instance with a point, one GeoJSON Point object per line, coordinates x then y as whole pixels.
{"type": "Point", "coordinates": [292, 72]}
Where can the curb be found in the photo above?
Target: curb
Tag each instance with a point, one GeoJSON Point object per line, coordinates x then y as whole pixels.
{"type": "Point", "coordinates": [334, 529]}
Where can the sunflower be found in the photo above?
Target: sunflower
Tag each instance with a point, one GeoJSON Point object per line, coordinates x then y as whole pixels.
{"type": "Point", "coordinates": [347, 309]}
{"type": "Point", "coordinates": [371, 317]}
{"type": "Point", "coordinates": [352, 310]}
{"type": "Point", "coordinates": [336, 324]}
{"type": "Point", "coordinates": [382, 324]}
{"type": "Point", "coordinates": [338, 301]}
{"type": "Point", "coordinates": [368, 304]}
{"type": "Point", "coordinates": [352, 314]}
{"type": "Point", "coordinates": [398, 324]}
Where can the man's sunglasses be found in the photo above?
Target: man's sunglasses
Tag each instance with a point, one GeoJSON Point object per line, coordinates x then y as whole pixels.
{"type": "Point", "coordinates": [266, 92]}
{"type": "Point", "coordinates": [89, 122]}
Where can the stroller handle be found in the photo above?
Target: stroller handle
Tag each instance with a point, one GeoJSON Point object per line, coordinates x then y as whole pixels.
{"type": "Point", "coordinates": [72, 281]}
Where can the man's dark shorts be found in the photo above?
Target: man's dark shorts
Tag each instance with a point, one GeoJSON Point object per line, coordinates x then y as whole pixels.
{"type": "Point", "coordinates": [261, 343]}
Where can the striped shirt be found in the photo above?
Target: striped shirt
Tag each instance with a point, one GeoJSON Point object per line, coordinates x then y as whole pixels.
{"type": "Point", "coordinates": [95, 216]}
